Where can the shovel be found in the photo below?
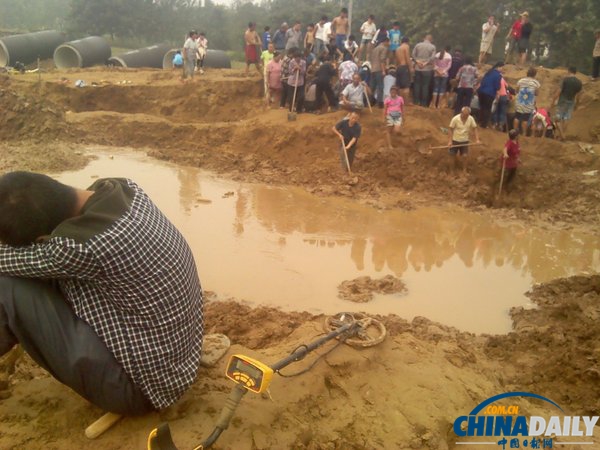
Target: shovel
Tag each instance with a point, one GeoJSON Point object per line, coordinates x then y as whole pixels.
{"type": "Point", "coordinates": [292, 113]}
{"type": "Point", "coordinates": [344, 158]}
{"type": "Point", "coordinates": [501, 178]}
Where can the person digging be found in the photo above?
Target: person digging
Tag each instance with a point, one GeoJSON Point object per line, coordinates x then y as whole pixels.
{"type": "Point", "coordinates": [458, 137]}
{"type": "Point", "coordinates": [509, 161]}
{"type": "Point", "coordinates": [348, 131]}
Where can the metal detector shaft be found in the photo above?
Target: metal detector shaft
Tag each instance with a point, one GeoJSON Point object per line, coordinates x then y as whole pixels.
{"type": "Point", "coordinates": [304, 350]}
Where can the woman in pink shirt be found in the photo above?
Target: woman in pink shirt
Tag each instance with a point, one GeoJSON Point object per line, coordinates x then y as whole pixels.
{"type": "Point", "coordinates": [274, 77]}
{"type": "Point", "coordinates": [442, 63]}
{"type": "Point", "coordinates": [499, 116]}
{"type": "Point", "coordinates": [393, 112]}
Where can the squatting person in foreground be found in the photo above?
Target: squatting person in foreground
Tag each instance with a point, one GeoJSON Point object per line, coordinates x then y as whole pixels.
{"type": "Point", "coordinates": [100, 289]}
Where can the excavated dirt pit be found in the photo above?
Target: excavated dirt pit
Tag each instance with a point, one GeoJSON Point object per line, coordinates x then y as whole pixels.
{"type": "Point", "coordinates": [285, 248]}
{"type": "Point", "coordinates": [274, 222]}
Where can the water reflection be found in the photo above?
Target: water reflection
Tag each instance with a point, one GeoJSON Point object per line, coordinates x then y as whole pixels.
{"type": "Point", "coordinates": [426, 238]}
{"type": "Point", "coordinates": [287, 248]}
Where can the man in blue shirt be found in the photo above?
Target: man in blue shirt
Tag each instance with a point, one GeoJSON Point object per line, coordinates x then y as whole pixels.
{"type": "Point", "coordinates": [395, 37]}
{"type": "Point", "coordinates": [178, 60]}
{"type": "Point", "coordinates": [279, 37]}
{"type": "Point", "coordinates": [266, 38]}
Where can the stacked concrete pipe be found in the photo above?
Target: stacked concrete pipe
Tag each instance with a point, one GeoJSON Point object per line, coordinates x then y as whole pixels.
{"type": "Point", "coordinates": [215, 59]}
{"type": "Point", "coordinates": [144, 57]}
{"type": "Point", "coordinates": [27, 48]}
{"type": "Point", "coordinates": [85, 52]}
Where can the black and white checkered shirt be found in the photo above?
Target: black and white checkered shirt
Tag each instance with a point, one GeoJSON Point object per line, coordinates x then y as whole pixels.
{"type": "Point", "coordinates": [129, 273]}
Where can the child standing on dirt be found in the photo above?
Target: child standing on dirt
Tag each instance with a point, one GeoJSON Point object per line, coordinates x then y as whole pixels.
{"type": "Point", "coordinates": [393, 113]}
{"type": "Point", "coordinates": [510, 158]}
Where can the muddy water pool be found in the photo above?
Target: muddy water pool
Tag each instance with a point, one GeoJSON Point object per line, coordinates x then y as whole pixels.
{"type": "Point", "coordinates": [287, 248]}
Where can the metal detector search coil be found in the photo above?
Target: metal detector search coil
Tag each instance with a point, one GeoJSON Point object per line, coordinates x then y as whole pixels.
{"type": "Point", "coordinates": [249, 373]}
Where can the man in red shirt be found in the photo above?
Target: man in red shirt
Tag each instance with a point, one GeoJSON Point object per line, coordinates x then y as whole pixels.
{"type": "Point", "coordinates": [510, 157]}
{"type": "Point", "coordinates": [513, 37]}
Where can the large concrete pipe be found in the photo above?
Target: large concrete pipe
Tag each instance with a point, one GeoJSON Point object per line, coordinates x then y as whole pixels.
{"type": "Point", "coordinates": [215, 59]}
{"type": "Point", "coordinates": [27, 48]}
{"type": "Point", "coordinates": [143, 57]}
{"type": "Point", "coordinates": [82, 53]}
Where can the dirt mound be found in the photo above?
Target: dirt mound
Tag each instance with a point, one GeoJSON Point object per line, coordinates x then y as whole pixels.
{"type": "Point", "coordinates": [25, 114]}
{"type": "Point", "coordinates": [239, 321]}
{"type": "Point", "coordinates": [554, 349]}
{"type": "Point", "coordinates": [361, 289]}
{"type": "Point", "coordinates": [220, 123]}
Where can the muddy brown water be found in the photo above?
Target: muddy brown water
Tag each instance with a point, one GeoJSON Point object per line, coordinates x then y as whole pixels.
{"type": "Point", "coordinates": [287, 248]}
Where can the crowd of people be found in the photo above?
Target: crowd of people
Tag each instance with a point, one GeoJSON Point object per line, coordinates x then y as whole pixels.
{"type": "Point", "coordinates": [304, 67]}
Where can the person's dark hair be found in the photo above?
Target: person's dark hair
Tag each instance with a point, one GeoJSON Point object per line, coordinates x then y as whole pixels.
{"type": "Point", "coordinates": [351, 37]}
{"type": "Point", "coordinates": [396, 24]}
{"type": "Point", "coordinates": [297, 22]}
{"type": "Point", "coordinates": [495, 66]}
{"type": "Point", "coordinates": [531, 72]}
{"type": "Point", "coordinates": [324, 18]}
{"type": "Point", "coordinates": [267, 28]}
{"type": "Point", "coordinates": [250, 24]}
{"type": "Point", "coordinates": [344, 11]}
{"type": "Point", "coordinates": [513, 133]}
{"type": "Point", "coordinates": [371, 16]}
{"type": "Point", "coordinates": [468, 61]}
{"type": "Point", "coordinates": [202, 33]}
{"type": "Point", "coordinates": [442, 53]}
{"type": "Point", "coordinates": [573, 69]}
{"type": "Point", "coordinates": [448, 48]}
{"type": "Point", "coordinates": [405, 39]}
{"type": "Point", "coordinates": [32, 205]}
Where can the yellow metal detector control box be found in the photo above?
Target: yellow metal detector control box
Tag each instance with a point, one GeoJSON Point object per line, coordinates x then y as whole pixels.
{"type": "Point", "coordinates": [250, 373]}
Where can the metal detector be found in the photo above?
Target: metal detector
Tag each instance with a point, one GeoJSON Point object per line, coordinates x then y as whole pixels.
{"type": "Point", "coordinates": [249, 374]}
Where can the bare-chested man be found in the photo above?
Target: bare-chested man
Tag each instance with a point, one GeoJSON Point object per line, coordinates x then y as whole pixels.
{"type": "Point", "coordinates": [339, 26]}
{"type": "Point", "coordinates": [404, 68]}
{"type": "Point", "coordinates": [252, 41]}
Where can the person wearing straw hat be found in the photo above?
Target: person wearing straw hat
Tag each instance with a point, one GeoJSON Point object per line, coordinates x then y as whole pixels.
{"type": "Point", "coordinates": [487, 38]}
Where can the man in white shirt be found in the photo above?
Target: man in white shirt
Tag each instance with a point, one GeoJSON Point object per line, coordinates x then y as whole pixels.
{"type": "Point", "coordinates": [368, 30]}
{"type": "Point", "coordinates": [320, 42]}
{"type": "Point", "coordinates": [353, 94]}
{"type": "Point", "coordinates": [458, 137]}
{"type": "Point", "coordinates": [190, 54]}
{"type": "Point", "coordinates": [488, 31]}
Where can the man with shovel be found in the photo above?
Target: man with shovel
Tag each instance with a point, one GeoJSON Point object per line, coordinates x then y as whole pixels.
{"type": "Point", "coordinates": [458, 135]}
{"type": "Point", "coordinates": [348, 131]}
{"type": "Point", "coordinates": [509, 160]}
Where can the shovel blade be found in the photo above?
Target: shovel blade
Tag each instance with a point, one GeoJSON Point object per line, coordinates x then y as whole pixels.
{"type": "Point", "coordinates": [291, 116]}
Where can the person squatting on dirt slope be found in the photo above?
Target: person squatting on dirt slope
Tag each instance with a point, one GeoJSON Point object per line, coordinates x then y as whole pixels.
{"type": "Point", "coordinates": [100, 289]}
